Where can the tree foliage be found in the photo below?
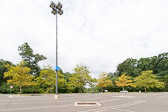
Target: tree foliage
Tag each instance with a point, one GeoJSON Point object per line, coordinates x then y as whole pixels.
{"type": "Point", "coordinates": [48, 78]}
{"type": "Point", "coordinates": [164, 79]}
{"type": "Point", "coordinates": [129, 66]}
{"type": "Point", "coordinates": [162, 64]}
{"type": "Point", "coordinates": [133, 67]}
{"type": "Point", "coordinates": [104, 81]}
{"type": "Point", "coordinates": [31, 59]}
{"type": "Point", "coordinates": [147, 72]}
{"type": "Point", "coordinates": [3, 69]}
{"type": "Point", "coordinates": [19, 75]}
{"type": "Point", "coordinates": [79, 78]}
{"type": "Point", "coordinates": [124, 81]}
{"type": "Point", "coordinates": [148, 80]}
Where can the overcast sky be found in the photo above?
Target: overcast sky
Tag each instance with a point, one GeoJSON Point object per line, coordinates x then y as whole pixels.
{"type": "Point", "coordinates": [98, 33]}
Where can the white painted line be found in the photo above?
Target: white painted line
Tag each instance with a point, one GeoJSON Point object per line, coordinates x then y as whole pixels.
{"type": "Point", "coordinates": [77, 98]}
{"type": "Point", "coordinates": [109, 100]}
{"type": "Point", "coordinates": [34, 108]}
{"type": "Point", "coordinates": [92, 98]}
{"type": "Point", "coordinates": [124, 110]}
{"type": "Point", "coordinates": [121, 106]}
{"type": "Point", "coordinates": [123, 96]}
{"type": "Point", "coordinates": [115, 107]}
{"type": "Point", "coordinates": [129, 104]}
{"type": "Point", "coordinates": [149, 95]}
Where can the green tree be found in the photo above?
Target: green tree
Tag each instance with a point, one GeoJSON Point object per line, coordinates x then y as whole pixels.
{"type": "Point", "coordinates": [79, 78]}
{"type": "Point", "coordinates": [129, 66]}
{"type": "Point", "coordinates": [148, 80]}
{"type": "Point", "coordinates": [47, 78]}
{"type": "Point", "coordinates": [19, 75]}
{"type": "Point", "coordinates": [162, 65]}
{"type": "Point", "coordinates": [67, 76]}
{"type": "Point", "coordinates": [113, 78]}
{"type": "Point", "coordinates": [31, 59]}
{"type": "Point", "coordinates": [148, 63]}
{"type": "Point", "coordinates": [104, 81]}
{"type": "Point", "coordinates": [124, 81]}
{"type": "Point", "coordinates": [164, 79]}
{"type": "Point", "coordinates": [3, 69]}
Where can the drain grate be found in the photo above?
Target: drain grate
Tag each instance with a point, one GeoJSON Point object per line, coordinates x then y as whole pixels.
{"type": "Point", "coordinates": [87, 104]}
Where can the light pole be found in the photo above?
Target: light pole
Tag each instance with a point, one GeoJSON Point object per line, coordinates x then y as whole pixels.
{"type": "Point", "coordinates": [56, 8]}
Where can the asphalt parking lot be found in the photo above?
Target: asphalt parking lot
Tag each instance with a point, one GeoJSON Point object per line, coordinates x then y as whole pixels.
{"type": "Point", "coordinates": [110, 102]}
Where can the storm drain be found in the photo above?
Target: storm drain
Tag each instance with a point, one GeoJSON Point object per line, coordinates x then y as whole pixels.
{"type": "Point", "coordinates": [87, 104]}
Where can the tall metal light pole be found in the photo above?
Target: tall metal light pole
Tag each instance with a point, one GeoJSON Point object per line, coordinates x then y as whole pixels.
{"type": "Point", "coordinates": [56, 8]}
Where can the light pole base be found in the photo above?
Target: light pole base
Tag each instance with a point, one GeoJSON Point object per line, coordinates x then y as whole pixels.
{"type": "Point", "coordinates": [56, 97]}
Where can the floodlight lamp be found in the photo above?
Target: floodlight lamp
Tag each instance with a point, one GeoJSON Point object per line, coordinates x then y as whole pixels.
{"type": "Point", "coordinates": [52, 5]}
{"type": "Point", "coordinates": [59, 6]}
{"type": "Point", "coordinates": [54, 11]}
{"type": "Point", "coordinates": [60, 12]}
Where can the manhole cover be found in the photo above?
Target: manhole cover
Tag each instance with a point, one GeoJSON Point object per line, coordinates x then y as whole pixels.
{"type": "Point", "coordinates": [87, 104]}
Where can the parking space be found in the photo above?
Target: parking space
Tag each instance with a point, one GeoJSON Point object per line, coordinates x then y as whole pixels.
{"type": "Point", "coordinates": [110, 102]}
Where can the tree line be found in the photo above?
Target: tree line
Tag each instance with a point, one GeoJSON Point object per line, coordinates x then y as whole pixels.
{"type": "Point", "coordinates": [144, 74]}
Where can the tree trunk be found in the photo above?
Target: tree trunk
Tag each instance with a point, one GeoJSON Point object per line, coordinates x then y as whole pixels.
{"type": "Point", "coordinates": [102, 90]}
{"type": "Point", "coordinates": [20, 90]}
{"type": "Point", "coordinates": [123, 88]}
{"type": "Point", "coordinates": [145, 89]}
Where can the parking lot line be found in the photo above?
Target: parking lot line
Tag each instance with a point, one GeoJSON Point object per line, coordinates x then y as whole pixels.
{"type": "Point", "coordinates": [122, 105]}
{"type": "Point", "coordinates": [124, 96]}
{"type": "Point", "coordinates": [114, 107]}
{"type": "Point", "coordinates": [76, 98]}
{"type": "Point", "coordinates": [109, 100]}
{"type": "Point", "coordinates": [123, 110]}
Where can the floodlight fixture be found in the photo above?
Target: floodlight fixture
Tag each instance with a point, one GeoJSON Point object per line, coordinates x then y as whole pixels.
{"type": "Point", "coordinates": [60, 12]}
{"type": "Point", "coordinates": [52, 5]}
{"type": "Point", "coordinates": [54, 11]}
{"type": "Point", "coordinates": [59, 6]}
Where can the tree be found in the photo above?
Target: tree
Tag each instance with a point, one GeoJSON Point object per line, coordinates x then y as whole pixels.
{"type": "Point", "coordinates": [67, 76]}
{"type": "Point", "coordinates": [162, 65]}
{"type": "Point", "coordinates": [113, 78]}
{"type": "Point", "coordinates": [19, 75]}
{"type": "Point", "coordinates": [104, 81]}
{"type": "Point", "coordinates": [31, 59]}
{"type": "Point", "coordinates": [164, 79]}
{"type": "Point", "coordinates": [79, 78]}
{"type": "Point", "coordinates": [148, 80]}
{"type": "Point", "coordinates": [47, 77]}
{"type": "Point", "coordinates": [129, 66]}
{"type": "Point", "coordinates": [124, 81]}
{"type": "Point", "coordinates": [143, 64]}
{"type": "Point", "coordinates": [3, 69]}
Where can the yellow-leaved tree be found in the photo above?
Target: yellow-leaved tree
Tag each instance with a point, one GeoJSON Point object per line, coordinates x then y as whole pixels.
{"type": "Point", "coordinates": [79, 79]}
{"type": "Point", "coordinates": [148, 80]}
{"type": "Point", "coordinates": [124, 81]}
{"type": "Point", "coordinates": [47, 78]}
{"type": "Point", "coordinates": [104, 81]}
{"type": "Point", "coordinates": [19, 75]}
